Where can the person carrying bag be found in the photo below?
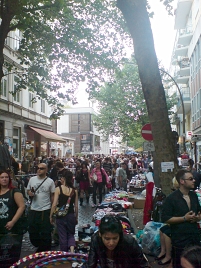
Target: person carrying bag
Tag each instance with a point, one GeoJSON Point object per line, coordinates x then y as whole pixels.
{"type": "Point", "coordinates": [67, 220]}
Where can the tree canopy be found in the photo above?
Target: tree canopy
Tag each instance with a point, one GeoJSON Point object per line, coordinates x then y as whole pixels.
{"type": "Point", "coordinates": [122, 107]}
{"type": "Point", "coordinates": [64, 42]}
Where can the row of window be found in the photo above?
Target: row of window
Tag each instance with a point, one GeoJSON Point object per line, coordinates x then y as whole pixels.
{"type": "Point", "coordinates": [196, 106]}
{"type": "Point", "coordinates": [17, 97]}
{"type": "Point", "coordinates": [196, 59]}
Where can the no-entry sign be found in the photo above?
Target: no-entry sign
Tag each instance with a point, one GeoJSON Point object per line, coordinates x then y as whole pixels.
{"type": "Point", "coordinates": [146, 132]}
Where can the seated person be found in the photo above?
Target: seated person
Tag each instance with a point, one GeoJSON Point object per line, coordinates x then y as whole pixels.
{"type": "Point", "coordinates": [110, 247]}
{"type": "Point", "coordinates": [165, 256]}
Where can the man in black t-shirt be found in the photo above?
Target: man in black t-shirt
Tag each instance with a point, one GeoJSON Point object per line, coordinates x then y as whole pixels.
{"type": "Point", "coordinates": [181, 210]}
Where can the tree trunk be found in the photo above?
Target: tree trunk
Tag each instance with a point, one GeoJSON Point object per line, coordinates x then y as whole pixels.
{"type": "Point", "coordinates": [136, 16]}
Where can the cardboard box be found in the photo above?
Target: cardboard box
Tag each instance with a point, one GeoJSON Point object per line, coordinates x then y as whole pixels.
{"type": "Point", "coordinates": [139, 203]}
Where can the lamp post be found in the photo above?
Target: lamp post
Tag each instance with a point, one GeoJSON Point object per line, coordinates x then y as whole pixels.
{"type": "Point", "coordinates": [182, 103]}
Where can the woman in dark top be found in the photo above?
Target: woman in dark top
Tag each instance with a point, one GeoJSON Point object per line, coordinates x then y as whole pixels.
{"type": "Point", "coordinates": [66, 224]}
{"type": "Point", "coordinates": [110, 247]}
{"type": "Point", "coordinates": [84, 182]}
{"type": "Point", "coordinates": [11, 208]}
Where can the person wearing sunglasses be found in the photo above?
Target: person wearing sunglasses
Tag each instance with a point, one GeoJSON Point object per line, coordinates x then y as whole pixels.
{"type": "Point", "coordinates": [181, 210]}
{"type": "Point", "coordinates": [110, 247]}
{"type": "Point", "coordinates": [41, 190]}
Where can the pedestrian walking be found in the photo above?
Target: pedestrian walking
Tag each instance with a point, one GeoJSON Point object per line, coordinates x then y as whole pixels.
{"type": "Point", "coordinates": [99, 179]}
{"type": "Point", "coordinates": [41, 189]}
{"type": "Point", "coordinates": [66, 225]}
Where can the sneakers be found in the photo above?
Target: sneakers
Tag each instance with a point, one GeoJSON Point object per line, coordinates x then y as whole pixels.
{"type": "Point", "coordinates": [93, 205]}
{"type": "Point", "coordinates": [86, 239]}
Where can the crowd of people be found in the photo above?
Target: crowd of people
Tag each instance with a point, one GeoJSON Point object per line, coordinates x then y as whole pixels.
{"type": "Point", "coordinates": [58, 180]}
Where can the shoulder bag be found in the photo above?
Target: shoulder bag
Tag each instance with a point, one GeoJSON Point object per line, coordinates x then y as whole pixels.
{"type": "Point", "coordinates": [34, 191]}
{"type": "Point", "coordinates": [63, 210]}
{"type": "Point", "coordinates": [95, 177]}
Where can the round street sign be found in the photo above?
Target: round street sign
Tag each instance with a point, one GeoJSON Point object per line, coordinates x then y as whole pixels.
{"type": "Point", "coordinates": [146, 132]}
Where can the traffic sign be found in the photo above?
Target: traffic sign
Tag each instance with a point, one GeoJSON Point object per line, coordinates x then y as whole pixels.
{"type": "Point", "coordinates": [146, 132]}
{"type": "Point", "coordinates": [148, 146]}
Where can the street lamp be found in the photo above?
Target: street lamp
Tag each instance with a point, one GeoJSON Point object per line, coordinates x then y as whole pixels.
{"type": "Point", "coordinates": [182, 103]}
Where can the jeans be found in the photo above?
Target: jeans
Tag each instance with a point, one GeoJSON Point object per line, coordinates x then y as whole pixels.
{"type": "Point", "coordinates": [100, 187]}
{"type": "Point", "coordinates": [66, 231]}
{"type": "Point", "coordinates": [40, 229]}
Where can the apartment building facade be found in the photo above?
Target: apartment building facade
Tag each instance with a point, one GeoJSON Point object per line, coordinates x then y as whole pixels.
{"type": "Point", "coordinates": [186, 66]}
{"type": "Point", "coordinates": [24, 125]}
{"type": "Point", "coordinates": [78, 123]}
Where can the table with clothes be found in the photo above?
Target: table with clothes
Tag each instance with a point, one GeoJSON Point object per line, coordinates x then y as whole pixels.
{"type": "Point", "coordinates": [137, 183]}
{"type": "Point", "coordinates": [115, 203]}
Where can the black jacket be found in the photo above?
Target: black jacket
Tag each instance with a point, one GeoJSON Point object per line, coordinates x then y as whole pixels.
{"type": "Point", "coordinates": [127, 253]}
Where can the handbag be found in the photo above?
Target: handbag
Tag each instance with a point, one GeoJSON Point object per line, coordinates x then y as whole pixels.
{"type": "Point", "coordinates": [63, 210]}
{"type": "Point", "coordinates": [95, 177]}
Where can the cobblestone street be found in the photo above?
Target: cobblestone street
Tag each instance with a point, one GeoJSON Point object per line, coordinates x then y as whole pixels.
{"type": "Point", "coordinates": [85, 217]}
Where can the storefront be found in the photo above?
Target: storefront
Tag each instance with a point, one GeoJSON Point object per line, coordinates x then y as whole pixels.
{"type": "Point", "coordinates": [38, 142]}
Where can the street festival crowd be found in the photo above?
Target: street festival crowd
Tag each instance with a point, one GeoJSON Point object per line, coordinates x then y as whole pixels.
{"type": "Point", "coordinates": [49, 191]}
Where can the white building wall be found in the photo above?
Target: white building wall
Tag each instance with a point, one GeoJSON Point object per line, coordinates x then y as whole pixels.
{"type": "Point", "coordinates": [63, 124]}
{"type": "Point", "coordinates": [17, 114]}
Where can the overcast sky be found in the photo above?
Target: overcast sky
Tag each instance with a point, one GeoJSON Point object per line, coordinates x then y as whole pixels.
{"type": "Point", "coordinates": [163, 32]}
{"type": "Point", "coordinates": [164, 35]}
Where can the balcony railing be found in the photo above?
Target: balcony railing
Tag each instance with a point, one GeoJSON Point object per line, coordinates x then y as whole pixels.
{"type": "Point", "coordinates": [184, 63]}
{"type": "Point", "coordinates": [185, 92]}
{"type": "Point", "coordinates": [187, 30]}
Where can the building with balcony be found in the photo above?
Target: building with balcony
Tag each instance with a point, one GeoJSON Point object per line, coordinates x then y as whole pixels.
{"type": "Point", "coordinates": [186, 66]}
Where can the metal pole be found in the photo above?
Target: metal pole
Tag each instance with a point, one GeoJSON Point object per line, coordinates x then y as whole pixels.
{"type": "Point", "coordinates": [182, 103]}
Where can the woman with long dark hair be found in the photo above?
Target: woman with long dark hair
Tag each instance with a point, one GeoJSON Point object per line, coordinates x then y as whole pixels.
{"type": "Point", "coordinates": [66, 225]}
{"type": "Point", "coordinates": [110, 247]}
{"type": "Point", "coordinates": [191, 257]}
{"type": "Point", "coordinates": [11, 209]}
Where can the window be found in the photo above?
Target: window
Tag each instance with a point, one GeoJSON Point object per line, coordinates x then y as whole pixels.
{"type": "Point", "coordinates": [31, 96]}
{"type": "Point", "coordinates": [16, 142]}
{"type": "Point", "coordinates": [16, 40]}
{"type": "Point", "coordinates": [4, 86]}
{"type": "Point", "coordinates": [42, 106]}
{"type": "Point", "coordinates": [16, 96]}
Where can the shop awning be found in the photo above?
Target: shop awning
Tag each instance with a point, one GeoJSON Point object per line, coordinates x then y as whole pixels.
{"type": "Point", "coordinates": [49, 135]}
